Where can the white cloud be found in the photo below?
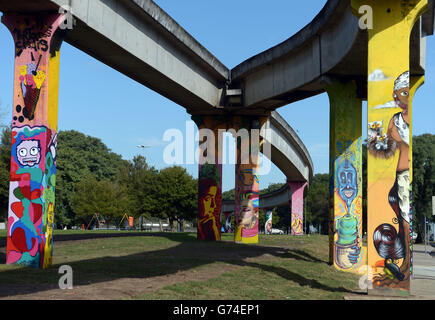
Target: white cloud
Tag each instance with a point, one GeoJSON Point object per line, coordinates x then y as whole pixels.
{"type": "Point", "coordinates": [389, 104]}
{"type": "Point", "coordinates": [377, 75]}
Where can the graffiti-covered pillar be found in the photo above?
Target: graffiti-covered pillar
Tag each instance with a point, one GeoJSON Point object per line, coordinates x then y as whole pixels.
{"type": "Point", "coordinates": [388, 156]}
{"type": "Point", "coordinates": [345, 161]}
{"type": "Point", "coordinates": [297, 207]}
{"type": "Point", "coordinates": [34, 136]}
{"type": "Point", "coordinates": [209, 178]}
{"type": "Point", "coordinates": [246, 201]}
{"type": "Point", "coordinates": [268, 220]}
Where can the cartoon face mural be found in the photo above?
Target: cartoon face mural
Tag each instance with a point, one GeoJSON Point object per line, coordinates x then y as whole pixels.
{"type": "Point", "coordinates": [32, 190]}
{"type": "Point", "coordinates": [347, 255]}
{"type": "Point", "coordinates": [345, 186]}
{"type": "Point", "coordinates": [29, 153]}
{"type": "Point", "coordinates": [347, 182]}
{"type": "Point", "coordinates": [33, 145]}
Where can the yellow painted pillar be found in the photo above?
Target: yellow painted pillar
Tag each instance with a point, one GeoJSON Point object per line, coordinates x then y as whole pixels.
{"type": "Point", "coordinates": [346, 248]}
{"type": "Point", "coordinates": [388, 156]}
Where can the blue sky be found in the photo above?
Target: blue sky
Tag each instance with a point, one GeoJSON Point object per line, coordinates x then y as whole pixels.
{"type": "Point", "coordinates": [101, 102]}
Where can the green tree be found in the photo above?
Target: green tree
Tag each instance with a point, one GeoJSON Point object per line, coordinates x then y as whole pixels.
{"type": "Point", "coordinates": [79, 157]}
{"type": "Point", "coordinates": [423, 180]}
{"type": "Point", "coordinates": [5, 163]}
{"type": "Point", "coordinates": [317, 202]}
{"type": "Point", "coordinates": [103, 197]}
{"type": "Point", "coordinates": [140, 180]}
{"type": "Point", "coordinates": [176, 194]}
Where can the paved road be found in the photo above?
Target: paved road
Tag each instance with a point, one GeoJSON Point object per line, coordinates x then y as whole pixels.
{"type": "Point", "coordinates": [423, 280]}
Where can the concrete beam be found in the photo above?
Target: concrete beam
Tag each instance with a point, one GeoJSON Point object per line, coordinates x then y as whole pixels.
{"type": "Point", "coordinates": [289, 153]}
{"type": "Point", "coordinates": [332, 44]}
{"type": "Point", "coordinates": [140, 40]}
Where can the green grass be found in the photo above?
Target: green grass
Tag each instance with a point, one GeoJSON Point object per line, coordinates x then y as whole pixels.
{"type": "Point", "coordinates": [279, 267]}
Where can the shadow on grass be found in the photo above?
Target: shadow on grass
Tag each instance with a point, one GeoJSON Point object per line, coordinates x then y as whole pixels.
{"type": "Point", "coordinates": [188, 254]}
{"type": "Point", "coordinates": [109, 234]}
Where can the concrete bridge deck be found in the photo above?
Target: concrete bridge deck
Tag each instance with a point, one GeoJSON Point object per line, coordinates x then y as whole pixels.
{"type": "Point", "coordinates": [140, 40]}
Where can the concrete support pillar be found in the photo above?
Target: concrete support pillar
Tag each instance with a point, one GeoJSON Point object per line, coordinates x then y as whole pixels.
{"type": "Point", "coordinates": [345, 222]}
{"type": "Point", "coordinates": [34, 136]}
{"type": "Point", "coordinates": [268, 220]}
{"type": "Point", "coordinates": [247, 179]}
{"type": "Point", "coordinates": [297, 207]}
{"type": "Point", "coordinates": [388, 157]}
{"type": "Point", "coordinates": [209, 179]}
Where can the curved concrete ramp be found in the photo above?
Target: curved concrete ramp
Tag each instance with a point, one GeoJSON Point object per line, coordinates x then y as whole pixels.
{"type": "Point", "coordinates": [289, 154]}
{"type": "Point", "coordinates": [331, 45]}
{"type": "Point", "coordinates": [276, 198]}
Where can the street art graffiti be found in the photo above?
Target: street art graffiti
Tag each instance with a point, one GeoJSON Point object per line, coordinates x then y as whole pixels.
{"type": "Point", "coordinates": [209, 178]}
{"type": "Point", "coordinates": [31, 80]}
{"type": "Point", "coordinates": [297, 207]}
{"type": "Point", "coordinates": [209, 203]}
{"type": "Point", "coordinates": [227, 226]}
{"type": "Point", "coordinates": [346, 250]}
{"type": "Point", "coordinates": [390, 243]}
{"type": "Point", "coordinates": [247, 211]}
{"type": "Point", "coordinates": [297, 224]}
{"type": "Point", "coordinates": [247, 182]}
{"type": "Point", "coordinates": [348, 226]}
{"type": "Point", "coordinates": [268, 223]}
{"type": "Point", "coordinates": [34, 139]}
{"type": "Point", "coordinates": [388, 159]}
{"type": "Point", "coordinates": [32, 189]}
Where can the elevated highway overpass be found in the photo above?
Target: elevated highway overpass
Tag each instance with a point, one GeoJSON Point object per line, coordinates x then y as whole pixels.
{"type": "Point", "coordinates": [331, 54]}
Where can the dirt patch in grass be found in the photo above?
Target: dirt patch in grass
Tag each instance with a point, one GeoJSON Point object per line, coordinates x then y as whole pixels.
{"type": "Point", "coordinates": [124, 288]}
{"type": "Point", "coordinates": [177, 266]}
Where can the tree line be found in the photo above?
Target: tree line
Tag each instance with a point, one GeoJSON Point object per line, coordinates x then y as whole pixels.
{"type": "Point", "coordinates": [90, 179]}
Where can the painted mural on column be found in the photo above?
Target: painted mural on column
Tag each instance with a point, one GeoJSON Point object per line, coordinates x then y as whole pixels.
{"type": "Point", "coordinates": [34, 140]}
{"type": "Point", "coordinates": [346, 248]}
{"type": "Point", "coordinates": [247, 193]}
{"type": "Point", "coordinates": [209, 182]}
{"type": "Point", "coordinates": [297, 207]}
{"type": "Point", "coordinates": [348, 251]}
{"type": "Point", "coordinates": [391, 239]}
{"type": "Point", "coordinates": [247, 186]}
{"type": "Point", "coordinates": [268, 222]}
{"type": "Point", "coordinates": [388, 158]}
{"type": "Point", "coordinates": [209, 202]}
